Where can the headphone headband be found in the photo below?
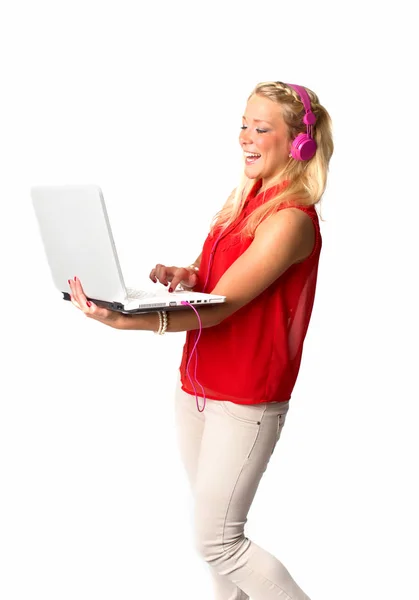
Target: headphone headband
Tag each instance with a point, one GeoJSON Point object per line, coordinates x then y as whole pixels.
{"type": "Point", "coordinates": [304, 146]}
{"type": "Point", "coordinates": [309, 117]}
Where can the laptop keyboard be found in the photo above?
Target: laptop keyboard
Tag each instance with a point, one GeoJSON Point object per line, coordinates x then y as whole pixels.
{"type": "Point", "coordinates": [139, 295]}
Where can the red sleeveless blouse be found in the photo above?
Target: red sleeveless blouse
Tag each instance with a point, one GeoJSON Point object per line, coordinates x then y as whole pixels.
{"type": "Point", "coordinates": [254, 355]}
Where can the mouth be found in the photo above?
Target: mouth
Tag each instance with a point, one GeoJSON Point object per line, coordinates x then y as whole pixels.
{"type": "Point", "coordinates": [251, 157]}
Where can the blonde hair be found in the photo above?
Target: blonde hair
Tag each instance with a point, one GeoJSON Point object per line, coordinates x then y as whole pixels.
{"type": "Point", "coordinates": [306, 180]}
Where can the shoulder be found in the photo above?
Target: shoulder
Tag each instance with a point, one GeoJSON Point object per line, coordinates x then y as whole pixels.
{"type": "Point", "coordinates": [292, 226]}
{"type": "Point", "coordinates": [293, 218]}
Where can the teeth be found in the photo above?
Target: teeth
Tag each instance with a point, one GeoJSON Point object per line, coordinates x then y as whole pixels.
{"type": "Point", "coordinates": [250, 154]}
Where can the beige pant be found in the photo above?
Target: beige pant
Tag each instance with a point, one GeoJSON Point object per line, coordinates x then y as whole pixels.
{"type": "Point", "coordinates": [225, 450]}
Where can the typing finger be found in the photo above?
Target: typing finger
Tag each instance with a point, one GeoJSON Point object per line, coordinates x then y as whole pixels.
{"type": "Point", "coordinates": [161, 274]}
{"type": "Point", "coordinates": [178, 276]}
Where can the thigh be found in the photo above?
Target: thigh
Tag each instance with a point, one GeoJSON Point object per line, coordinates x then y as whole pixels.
{"type": "Point", "coordinates": [189, 424]}
{"type": "Point", "coordinates": [237, 444]}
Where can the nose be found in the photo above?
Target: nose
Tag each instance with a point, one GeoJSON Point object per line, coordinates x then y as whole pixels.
{"type": "Point", "coordinates": [245, 137]}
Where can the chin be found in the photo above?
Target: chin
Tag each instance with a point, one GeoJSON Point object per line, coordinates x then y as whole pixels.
{"type": "Point", "coordinates": [252, 173]}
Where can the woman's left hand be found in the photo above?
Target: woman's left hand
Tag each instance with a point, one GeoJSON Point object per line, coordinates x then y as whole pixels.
{"type": "Point", "coordinates": [91, 310]}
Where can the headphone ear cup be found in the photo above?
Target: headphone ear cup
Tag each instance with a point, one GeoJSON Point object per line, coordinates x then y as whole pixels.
{"type": "Point", "coordinates": [303, 147]}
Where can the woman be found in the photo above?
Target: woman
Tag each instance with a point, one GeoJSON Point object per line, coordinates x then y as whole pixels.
{"type": "Point", "coordinates": [262, 253]}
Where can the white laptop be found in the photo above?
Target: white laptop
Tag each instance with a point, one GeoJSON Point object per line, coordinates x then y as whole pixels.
{"type": "Point", "coordinates": [78, 241]}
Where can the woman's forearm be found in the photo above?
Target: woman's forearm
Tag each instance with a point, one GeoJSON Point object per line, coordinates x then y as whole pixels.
{"type": "Point", "coordinates": [184, 320]}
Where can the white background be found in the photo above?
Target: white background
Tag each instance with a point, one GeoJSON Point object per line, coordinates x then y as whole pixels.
{"type": "Point", "coordinates": [146, 100]}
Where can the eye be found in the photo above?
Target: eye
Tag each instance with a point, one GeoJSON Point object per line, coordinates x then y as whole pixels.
{"type": "Point", "coordinates": [243, 127]}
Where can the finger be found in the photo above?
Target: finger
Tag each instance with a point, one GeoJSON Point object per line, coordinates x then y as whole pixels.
{"type": "Point", "coordinates": [178, 276]}
{"type": "Point", "coordinates": [156, 271]}
{"type": "Point", "coordinates": [153, 275]}
{"type": "Point", "coordinates": [161, 274]}
{"type": "Point", "coordinates": [80, 295]}
{"type": "Point", "coordinates": [76, 304]}
{"type": "Point", "coordinates": [96, 312]}
{"type": "Point", "coordinates": [73, 294]}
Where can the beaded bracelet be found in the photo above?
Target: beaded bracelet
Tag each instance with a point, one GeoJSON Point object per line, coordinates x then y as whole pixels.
{"type": "Point", "coordinates": [163, 322]}
{"type": "Point", "coordinates": [160, 323]}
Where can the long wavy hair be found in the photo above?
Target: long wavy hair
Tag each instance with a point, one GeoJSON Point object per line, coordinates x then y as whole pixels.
{"type": "Point", "coordinates": [306, 180]}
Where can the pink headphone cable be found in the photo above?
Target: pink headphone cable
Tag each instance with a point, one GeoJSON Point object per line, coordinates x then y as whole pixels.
{"type": "Point", "coordinates": [199, 334]}
{"type": "Point", "coordinates": [196, 362]}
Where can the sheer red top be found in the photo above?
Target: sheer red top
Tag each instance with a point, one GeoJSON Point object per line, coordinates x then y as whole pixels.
{"type": "Point", "coordinates": [254, 355]}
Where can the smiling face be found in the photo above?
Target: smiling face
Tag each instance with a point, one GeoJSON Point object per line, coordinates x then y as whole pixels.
{"type": "Point", "coordinates": [264, 139]}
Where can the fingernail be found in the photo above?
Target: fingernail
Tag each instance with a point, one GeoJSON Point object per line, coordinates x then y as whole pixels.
{"type": "Point", "coordinates": [75, 278]}
{"type": "Point", "coordinates": [89, 304]}
{"type": "Point", "coordinates": [155, 280]}
{"type": "Point", "coordinates": [170, 290]}
{"type": "Point", "coordinates": [69, 282]}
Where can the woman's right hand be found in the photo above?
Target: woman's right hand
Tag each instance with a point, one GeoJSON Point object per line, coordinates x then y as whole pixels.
{"type": "Point", "coordinates": [174, 275]}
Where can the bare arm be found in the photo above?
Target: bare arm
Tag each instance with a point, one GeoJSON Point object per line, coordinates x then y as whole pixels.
{"type": "Point", "coordinates": [280, 241]}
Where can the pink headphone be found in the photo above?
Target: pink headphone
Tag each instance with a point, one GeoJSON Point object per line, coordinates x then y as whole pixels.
{"type": "Point", "coordinates": [303, 146]}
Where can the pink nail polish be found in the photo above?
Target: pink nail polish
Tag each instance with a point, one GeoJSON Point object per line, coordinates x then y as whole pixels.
{"type": "Point", "coordinates": [69, 282]}
{"type": "Point", "coordinates": [170, 290]}
{"type": "Point", "coordinates": [75, 278]}
{"type": "Point", "coordinates": [89, 304]}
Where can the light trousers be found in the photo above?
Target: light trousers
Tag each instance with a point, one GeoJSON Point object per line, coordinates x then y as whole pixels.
{"type": "Point", "coordinates": [225, 450]}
